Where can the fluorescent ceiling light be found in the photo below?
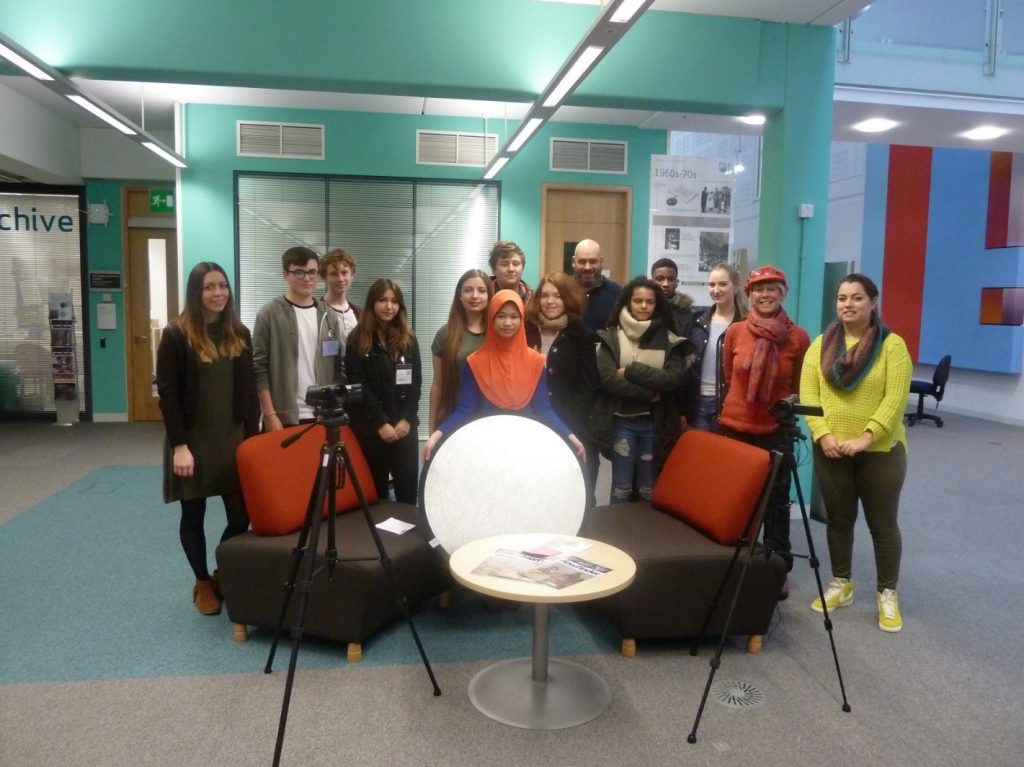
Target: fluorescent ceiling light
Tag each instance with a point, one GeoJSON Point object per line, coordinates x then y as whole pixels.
{"type": "Point", "coordinates": [576, 71]}
{"type": "Point", "coordinates": [164, 154]}
{"type": "Point", "coordinates": [875, 125]}
{"type": "Point", "coordinates": [109, 119]}
{"type": "Point", "coordinates": [496, 168]}
{"type": "Point", "coordinates": [20, 61]}
{"type": "Point", "coordinates": [626, 11]}
{"type": "Point", "coordinates": [984, 133]}
{"type": "Point", "coordinates": [753, 119]}
{"type": "Point", "coordinates": [525, 133]}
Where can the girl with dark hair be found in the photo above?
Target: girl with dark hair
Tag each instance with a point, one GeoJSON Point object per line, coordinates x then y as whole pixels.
{"type": "Point", "coordinates": [641, 364]}
{"type": "Point", "coordinates": [383, 355]}
{"type": "Point", "coordinates": [504, 376]}
{"type": "Point", "coordinates": [761, 360]}
{"type": "Point", "coordinates": [554, 327]}
{"type": "Point", "coordinates": [859, 371]}
{"type": "Point", "coordinates": [462, 335]}
{"type": "Point", "coordinates": [207, 390]}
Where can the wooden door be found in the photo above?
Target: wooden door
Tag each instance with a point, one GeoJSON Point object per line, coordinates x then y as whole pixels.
{"type": "Point", "coordinates": [570, 213]}
{"type": "Point", "coordinates": [152, 298]}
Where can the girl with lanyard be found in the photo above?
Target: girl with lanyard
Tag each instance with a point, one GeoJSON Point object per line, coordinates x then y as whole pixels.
{"type": "Point", "coordinates": [504, 376]}
{"type": "Point", "coordinates": [207, 386]}
{"type": "Point", "coordinates": [383, 355]}
{"type": "Point", "coordinates": [761, 361]}
{"type": "Point", "coordinates": [859, 371]}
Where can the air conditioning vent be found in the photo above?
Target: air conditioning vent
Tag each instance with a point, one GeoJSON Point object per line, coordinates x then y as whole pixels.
{"type": "Point", "coordinates": [455, 148]}
{"type": "Point", "coordinates": [286, 140]}
{"type": "Point", "coordinates": [582, 156]}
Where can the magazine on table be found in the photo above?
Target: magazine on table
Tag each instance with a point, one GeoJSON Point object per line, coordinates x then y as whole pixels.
{"type": "Point", "coordinates": [556, 569]}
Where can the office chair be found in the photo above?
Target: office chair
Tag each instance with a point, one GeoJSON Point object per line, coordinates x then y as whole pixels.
{"type": "Point", "coordinates": [933, 388]}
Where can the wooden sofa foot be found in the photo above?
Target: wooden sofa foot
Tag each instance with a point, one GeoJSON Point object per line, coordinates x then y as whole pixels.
{"type": "Point", "coordinates": [239, 632]}
{"type": "Point", "coordinates": [355, 652]}
{"type": "Point", "coordinates": [444, 599]}
{"type": "Point", "coordinates": [754, 643]}
{"type": "Point", "coordinates": [628, 648]}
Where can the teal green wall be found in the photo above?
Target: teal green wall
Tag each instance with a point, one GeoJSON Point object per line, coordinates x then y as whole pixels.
{"type": "Point", "coordinates": [359, 143]}
{"type": "Point", "coordinates": [105, 246]}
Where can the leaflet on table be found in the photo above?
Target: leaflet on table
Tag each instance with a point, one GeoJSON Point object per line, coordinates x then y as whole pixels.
{"type": "Point", "coordinates": [556, 572]}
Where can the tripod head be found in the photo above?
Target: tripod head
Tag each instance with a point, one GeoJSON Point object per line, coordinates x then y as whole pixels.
{"type": "Point", "coordinates": [785, 411]}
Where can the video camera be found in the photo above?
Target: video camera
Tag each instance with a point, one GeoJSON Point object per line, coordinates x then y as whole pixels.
{"type": "Point", "coordinates": [331, 397]}
{"type": "Point", "coordinates": [785, 409]}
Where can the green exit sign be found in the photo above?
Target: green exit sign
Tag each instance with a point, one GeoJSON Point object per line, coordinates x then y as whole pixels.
{"type": "Point", "coordinates": [161, 200]}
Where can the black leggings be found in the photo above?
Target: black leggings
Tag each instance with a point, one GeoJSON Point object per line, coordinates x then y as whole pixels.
{"type": "Point", "coordinates": [193, 534]}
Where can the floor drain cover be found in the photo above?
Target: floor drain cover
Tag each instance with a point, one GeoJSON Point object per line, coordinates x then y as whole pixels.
{"type": "Point", "coordinates": [737, 694]}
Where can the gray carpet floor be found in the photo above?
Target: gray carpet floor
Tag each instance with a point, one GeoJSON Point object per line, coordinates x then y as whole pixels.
{"type": "Point", "coordinates": [948, 690]}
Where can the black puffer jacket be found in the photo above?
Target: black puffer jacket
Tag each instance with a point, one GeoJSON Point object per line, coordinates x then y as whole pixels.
{"type": "Point", "coordinates": [571, 374]}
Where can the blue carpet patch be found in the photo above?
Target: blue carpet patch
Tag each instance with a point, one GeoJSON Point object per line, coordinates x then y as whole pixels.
{"type": "Point", "coordinates": [94, 585]}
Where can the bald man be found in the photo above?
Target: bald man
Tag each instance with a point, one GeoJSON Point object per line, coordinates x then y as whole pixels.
{"type": "Point", "coordinates": [587, 263]}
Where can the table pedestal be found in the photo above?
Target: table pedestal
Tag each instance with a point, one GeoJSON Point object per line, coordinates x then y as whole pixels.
{"type": "Point", "coordinates": [538, 693]}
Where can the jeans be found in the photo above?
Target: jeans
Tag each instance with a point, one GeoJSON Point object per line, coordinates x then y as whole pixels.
{"type": "Point", "coordinates": [632, 456]}
{"type": "Point", "coordinates": [707, 413]}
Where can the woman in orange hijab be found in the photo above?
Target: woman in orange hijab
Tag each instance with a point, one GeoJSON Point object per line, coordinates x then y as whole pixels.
{"type": "Point", "coordinates": [504, 376]}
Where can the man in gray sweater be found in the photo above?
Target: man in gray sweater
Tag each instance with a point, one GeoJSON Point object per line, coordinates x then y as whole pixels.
{"type": "Point", "coordinates": [296, 344]}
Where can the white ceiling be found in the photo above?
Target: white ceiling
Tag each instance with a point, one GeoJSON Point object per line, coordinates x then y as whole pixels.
{"type": "Point", "coordinates": [924, 120]}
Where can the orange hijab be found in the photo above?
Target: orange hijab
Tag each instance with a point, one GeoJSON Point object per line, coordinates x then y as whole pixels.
{"type": "Point", "coordinates": [506, 369]}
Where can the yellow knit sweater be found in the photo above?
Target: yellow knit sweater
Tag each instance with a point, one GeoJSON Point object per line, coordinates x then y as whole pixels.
{"type": "Point", "coordinates": [877, 403]}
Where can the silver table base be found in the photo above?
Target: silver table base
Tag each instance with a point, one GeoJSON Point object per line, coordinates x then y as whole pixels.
{"type": "Point", "coordinates": [537, 693]}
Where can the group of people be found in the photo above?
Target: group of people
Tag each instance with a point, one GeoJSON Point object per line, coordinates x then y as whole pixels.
{"type": "Point", "coordinates": [619, 371]}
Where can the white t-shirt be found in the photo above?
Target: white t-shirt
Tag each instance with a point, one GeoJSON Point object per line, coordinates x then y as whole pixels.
{"type": "Point", "coordinates": [709, 363]}
{"type": "Point", "coordinates": [309, 335]}
{"type": "Point", "coordinates": [347, 320]}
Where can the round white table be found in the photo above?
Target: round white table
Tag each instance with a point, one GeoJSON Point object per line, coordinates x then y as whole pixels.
{"type": "Point", "coordinates": [537, 692]}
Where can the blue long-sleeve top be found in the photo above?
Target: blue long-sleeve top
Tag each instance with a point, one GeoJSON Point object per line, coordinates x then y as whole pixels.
{"type": "Point", "coordinates": [473, 404]}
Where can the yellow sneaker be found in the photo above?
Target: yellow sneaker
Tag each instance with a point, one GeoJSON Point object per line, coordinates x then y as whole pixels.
{"type": "Point", "coordinates": [889, 618]}
{"type": "Point", "coordinates": [838, 594]}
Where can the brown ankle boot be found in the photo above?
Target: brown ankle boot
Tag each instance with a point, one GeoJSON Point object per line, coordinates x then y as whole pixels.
{"type": "Point", "coordinates": [216, 585]}
{"type": "Point", "coordinates": [206, 599]}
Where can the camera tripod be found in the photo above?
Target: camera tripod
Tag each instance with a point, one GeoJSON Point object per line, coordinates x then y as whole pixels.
{"type": "Point", "coordinates": [781, 461]}
{"type": "Point", "coordinates": [334, 465]}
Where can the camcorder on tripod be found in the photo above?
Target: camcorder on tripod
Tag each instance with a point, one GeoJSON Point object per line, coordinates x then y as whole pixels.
{"type": "Point", "coordinates": [784, 411]}
{"type": "Point", "coordinates": [328, 403]}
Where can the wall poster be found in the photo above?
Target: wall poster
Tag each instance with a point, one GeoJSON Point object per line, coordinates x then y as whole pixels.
{"type": "Point", "coordinates": [691, 217]}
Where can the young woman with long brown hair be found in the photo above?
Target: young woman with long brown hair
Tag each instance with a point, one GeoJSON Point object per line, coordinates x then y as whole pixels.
{"type": "Point", "coordinates": [383, 355]}
{"type": "Point", "coordinates": [207, 390]}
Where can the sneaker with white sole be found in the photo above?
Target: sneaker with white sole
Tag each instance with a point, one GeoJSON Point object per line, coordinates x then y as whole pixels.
{"type": "Point", "coordinates": [889, 618]}
{"type": "Point", "coordinates": [838, 594]}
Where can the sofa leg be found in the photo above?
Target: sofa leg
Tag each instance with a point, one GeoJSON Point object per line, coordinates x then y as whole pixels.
{"type": "Point", "coordinates": [355, 652]}
{"type": "Point", "coordinates": [754, 643]}
{"type": "Point", "coordinates": [628, 648]}
{"type": "Point", "coordinates": [239, 632]}
{"type": "Point", "coordinates": [444, 599]}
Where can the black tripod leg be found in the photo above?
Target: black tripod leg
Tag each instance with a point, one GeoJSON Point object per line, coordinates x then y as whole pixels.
{"type": "Point", "coordinates": [813, 560]}
{"type": "Point", "coordinates": [713, 605]}
{"type": "Point", "coordinates": [385, 561]}
{"type": "Point", "coordinates": [325, 490]}
{"type": "Point", "coordinates": [313, 510]}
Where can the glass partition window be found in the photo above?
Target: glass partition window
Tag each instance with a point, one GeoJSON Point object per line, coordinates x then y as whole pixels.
{"type": "Point", "coordinates": [421, 234]}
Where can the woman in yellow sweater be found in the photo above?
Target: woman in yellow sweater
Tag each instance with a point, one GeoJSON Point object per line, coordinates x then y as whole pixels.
{"type": "Point", "coordinates": [858, 371]}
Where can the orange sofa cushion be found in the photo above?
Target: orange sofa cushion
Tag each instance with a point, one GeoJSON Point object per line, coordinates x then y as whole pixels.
{"type": "Point", "coordinates": [277, 482]}
{"type": "Point", "coordinates": [712, 483]}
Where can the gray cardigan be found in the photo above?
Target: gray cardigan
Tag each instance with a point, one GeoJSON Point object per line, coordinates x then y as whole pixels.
{"type": "Point", "coordinates": [275, 344]}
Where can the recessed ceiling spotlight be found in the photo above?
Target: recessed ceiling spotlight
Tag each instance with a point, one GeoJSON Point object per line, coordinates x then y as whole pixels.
{"type": "Point", "coordinates": [875, 125]}
{"type": "Point", "coordinates": [753, 119]}
{"type": "Point", "coordinates": [984, 133]}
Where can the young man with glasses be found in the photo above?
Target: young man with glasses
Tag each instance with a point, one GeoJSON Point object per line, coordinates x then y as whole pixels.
{"type": "Point", "coordinates": [296, 344]}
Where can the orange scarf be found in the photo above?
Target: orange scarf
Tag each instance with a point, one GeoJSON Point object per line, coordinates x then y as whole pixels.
{"type": "Point", "coordinates": [506, 369]}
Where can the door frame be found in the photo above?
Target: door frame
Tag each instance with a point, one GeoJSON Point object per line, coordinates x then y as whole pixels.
{"type": "Point", "coordinates": [625, 191]}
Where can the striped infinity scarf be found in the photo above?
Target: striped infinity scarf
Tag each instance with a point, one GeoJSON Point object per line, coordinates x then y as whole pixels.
{"type": "Point", "coordinates": [763, 363]}
{"type": "Point", "coordinates": [845, 368]}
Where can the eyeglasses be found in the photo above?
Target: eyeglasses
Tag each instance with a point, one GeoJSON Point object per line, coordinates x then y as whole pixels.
{"type": "Point", "coordinates": [309, 274]}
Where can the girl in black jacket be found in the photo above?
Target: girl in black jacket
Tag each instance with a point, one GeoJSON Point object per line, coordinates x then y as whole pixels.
{"type": "Point", "coordinates": [383, 355]}
{"type": "Point", "coordinates": [554, 327]}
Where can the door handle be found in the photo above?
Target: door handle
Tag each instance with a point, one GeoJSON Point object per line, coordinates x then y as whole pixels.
{"type": "Point", "coordinates": [141, 338]}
